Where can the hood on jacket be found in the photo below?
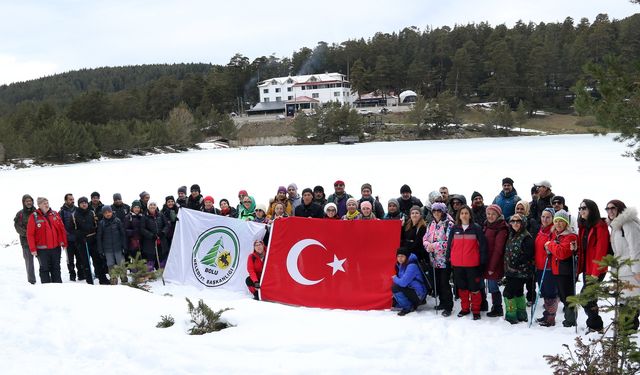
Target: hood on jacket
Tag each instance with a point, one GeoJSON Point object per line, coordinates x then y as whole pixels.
{"type": "Point", "coordinates": [628, 215]}
{"type": "Point", "coordinates": [25, 197]}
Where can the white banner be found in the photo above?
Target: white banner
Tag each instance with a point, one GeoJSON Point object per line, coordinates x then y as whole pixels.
{"type": "Point", "coordinates": [211, 250]}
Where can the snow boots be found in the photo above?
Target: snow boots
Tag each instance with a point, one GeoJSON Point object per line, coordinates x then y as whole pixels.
{"type": "Point", "coordinates": [549, 314]}
{"type": "Point", "coordinates": [510, 306]}
{"type": "Point", "coordinates": [521, 308]}
{"type": "Point", "coordinates": [496, 305]}
{"type": "Point", "coordinates": [464, 302]}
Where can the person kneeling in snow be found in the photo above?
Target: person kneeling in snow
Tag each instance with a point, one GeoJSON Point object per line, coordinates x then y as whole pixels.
{"type": "Point", "coordinates": [255, 264]}
{"type": "Point", "coordinates": [408, 284]}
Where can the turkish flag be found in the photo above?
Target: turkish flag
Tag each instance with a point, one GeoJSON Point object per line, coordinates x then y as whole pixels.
{"type": "Point", "coordinates": [331, 263]}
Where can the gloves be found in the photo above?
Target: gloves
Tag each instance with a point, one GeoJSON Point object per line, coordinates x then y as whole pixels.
{"type": "Point", "coordinates": [256, 285]}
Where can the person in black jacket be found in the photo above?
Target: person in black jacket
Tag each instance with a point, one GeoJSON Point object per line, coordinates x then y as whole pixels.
{"type": "Point", "coordinates": [119, 208]}
{"type": "Point", "coordinates": [73, 259]}
{"type": "Point", "coordinates": [96, 204]}
{"type": "Point", "coordinates": [154, 237]}
{"type": "Point", "coordinates": [182, 196]}
{"type": "Point", "coordinates": [413, 231]}
{"type": "Point", "coordinates": [308, 208]}
{"type": "Point", "coordinates": [170, 213]}
{"type": "Point", "coordinates": [195, 200]}
{"type": "Point", "coordinates": [406, 200]}
{"type": "Point", "coordinates": [20, 224]}
{"type": "Point", "coordinates": [133, 229]}
{"type": "Point", "coordinates": [111, 238]}
{"type": "Point", "coordinates": [85, 225]}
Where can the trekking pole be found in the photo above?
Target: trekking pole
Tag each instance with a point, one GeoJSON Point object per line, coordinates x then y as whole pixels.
{"type": "Point", "coordinates": [574, 260]}
{"type": "Point", "coordinates": [435, 287]}
{"type": "Point", "coordinates": [86, 247]}
{"type": "Point", "coordinates": [535, 301]}
{"type": "Point", "coordinates": [158, 259]}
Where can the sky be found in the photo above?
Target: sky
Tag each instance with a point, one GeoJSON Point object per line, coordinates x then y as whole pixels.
{"type": "Point", "coordinates": [40, 38]}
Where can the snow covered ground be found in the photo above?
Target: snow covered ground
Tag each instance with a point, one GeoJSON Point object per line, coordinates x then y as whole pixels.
{"type": "Point", "coordinates": [74, 327]}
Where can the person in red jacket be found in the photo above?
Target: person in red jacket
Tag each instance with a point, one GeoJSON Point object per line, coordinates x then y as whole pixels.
{"type": "Point", "coordinates": [255, 264]}
{"type": "Point", "coordinates": [561, 248]}
{"type": "Point", "coordinates": [46, 236]}
{"type": "Point", "coordinates": [549, 290]}
{"type": "Point", "coordinates": [496, 231]}
{"type": "Point", "coordinates": [593, 243]}
{"type": "Point", "coordinates": [467, 254]}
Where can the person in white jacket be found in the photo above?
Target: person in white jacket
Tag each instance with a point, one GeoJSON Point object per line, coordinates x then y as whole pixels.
{"type": "Point", "coordinates": [625, 242]}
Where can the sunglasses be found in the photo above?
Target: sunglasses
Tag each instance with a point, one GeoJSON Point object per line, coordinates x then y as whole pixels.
{"type": "Point", "coordinates": [611, 208]}
{"type": "Point", "coordinates": [246, 202]}
{"type": "Point", "coordinates": [556, 202]}
{"type": "Point", "coordinates": [516, 221]}
{"type": "Point", "coordinates": [582, 208]}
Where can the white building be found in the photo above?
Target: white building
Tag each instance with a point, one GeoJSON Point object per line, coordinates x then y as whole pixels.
{"type": "Point", "coordinates": [302, 92]}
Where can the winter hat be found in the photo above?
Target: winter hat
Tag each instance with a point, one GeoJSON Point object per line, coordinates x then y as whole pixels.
{"type": "Point", "coordinates": [195, 187]}
{"type": "Point", "coordinates": [169, 198]}
{"type": "Point", "coordinates": [507, 180]}
{"type": "Point", "coordinates": [405, 189]}
{"type": "Point", "coordinates": [338, 182]}
{"type": "Point", "coordinates": [208, 198]}
{"type": "Point", "coordinates": [107, 208]}
{"type": "Point", "coordinates": [558, 199]}
{"type": "Point", "coordinates": [330, 205]}
{"type": "Point", "coordinates": [95, 194]}
{"type": "Point", "coordinates": [352, 200]}
{"type": "Point", "coordinates": [182, 189]}
{"type": "Point", "coordinates": [152, 202]}
{"type": "Point", "coordinates": [261, 207]}
{"type": "Point", "coordinates": [434, 195]}
{"type": "Point", "coordinates": [544, 183]}
{"type": "Point", "coordinates": [415, 208]}
{"type": "Point", "coordinates": [117, 197]}
{"type": "Point", "coordinates": [496, 208]}
{"type": "Point", "coordinates": [394, 201]}
{"type": "Point", "coordinates": [366, 186]}
{"type": "Point", "coordinates": [292, 185]}
{"type": "Point", "coordinates": [243, 192]}
{"type": "Point", "coordinates": [281, 189]}
{"type": "Point", "coordinates": [366, 204]}
{"type": "Point", "coordinates": [135, 203]}
{"type": "Point", "coordinates": [524, 205]}
{"type": "Point", "coordinates": [318, 189]}
{"type": "Point", "coordinates": [403, 251]}
{"type": "Point", "coordinates": [83, 200]}
{"type": "Point", "coordinates": [551, 210]}
{"type": "Point", "coordinates": [307, 190]}
{"type": "Point", "coordinates": [143, 194]}
{"type": "Point", "coordinates": [439, 207]}
{"type": "Point", "coordinates": [562, 215]}
{"type": "Point", "coordinates": [475, 195]}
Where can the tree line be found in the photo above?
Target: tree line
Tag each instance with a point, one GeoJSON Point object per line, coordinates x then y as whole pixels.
{"type": "Point", "coordinates": [535, 65]}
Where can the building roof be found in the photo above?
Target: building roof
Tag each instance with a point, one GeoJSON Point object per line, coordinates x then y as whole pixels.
{"type": "Point", "coordinates": [309, 78]}
{"type": "Point", "coordinates": [267, 106]}
{"type": "Point", "coordinates": [303, 99]}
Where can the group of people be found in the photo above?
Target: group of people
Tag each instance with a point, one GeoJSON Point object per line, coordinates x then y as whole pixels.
{"type": "Point", "coordinates": [511, 243]}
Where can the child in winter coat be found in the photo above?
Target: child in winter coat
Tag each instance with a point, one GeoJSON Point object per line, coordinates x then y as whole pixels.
{"type": "Point", "coordinates": [408, 287]}
{"type": "Point", "coordinates": [435, 242]}
{"type": "Point", "coordinates": [518, 268]}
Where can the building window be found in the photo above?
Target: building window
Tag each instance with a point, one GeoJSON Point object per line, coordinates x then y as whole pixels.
{"type": "Point", "coordinates": [278, 98]}
{"type": "Point", "coordinates": [337, 93]}
{"type": "Point", "coordinates": [289, 89]}
{"type": "Point", "coordinates": [277, 89]}
{"type": "Point", "coordinates": [315, 95]}
{"type": "Point", "coordinates": [266, 100]}
{"type": "Point", "coordinates": [290, 97]}
{"type": "Point", "coordinates": [265, 91]}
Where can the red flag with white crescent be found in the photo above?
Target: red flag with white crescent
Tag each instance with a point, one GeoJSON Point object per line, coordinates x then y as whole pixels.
{"type": "Point", "coordinates": [331, 263]}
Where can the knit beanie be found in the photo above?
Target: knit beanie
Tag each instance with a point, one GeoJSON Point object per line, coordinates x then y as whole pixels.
{"type": "Point", "coordinates": [562, 215]}
{"type": "Point", "coordinates": [415, 208]}
{"type": "Point", "coordinates": [352, 200]}
{"type": "Point", "coordinates": [83, 200]}
{"type": "Point", "coordinates": [403, 251]}
{"type": "Point", "coordinates": [366, 204]}
{"type": "Point", "coordinates": [107, 208]}
{"type": "Point", "coordinates": [507, 180]}
{"type": "Point", "coordinates": [135, 203]}
{"type": "Point", "coordinates": [330, 205]}
{"type": "Point", "coordinates": [366, 186]}
{"type": "Point", "coordinates": [475, 194]}
{"type": "Point", "coordinates": [143, 194]}
{"type": "Point", "coordinates": [117, 197]}
{"type": "Point", "coordinates": [169, 198]}
{"type": "Point", "coordinates": [195, 187]}
{"type": "Point", "coordinates": [208, 198]}
{"type": "Point", "coordinates": [495, 208]}
{"type": "Point", "coordinates": [439, 207]}
{"type": "Point", "coordinates": [182, 189]}
{"type": "Point", "coordinates": [551, 211]}
{"type": "Point", "coordinates": [394, 202]}
{"type": "Point", "coordinates": [282, 189]}
{"type": "Point", "coordinates": [318, 189]}
{"type": "Point", "coordinates": [292, 185]}
{"type": "Point", "coordinates": [405, 189]}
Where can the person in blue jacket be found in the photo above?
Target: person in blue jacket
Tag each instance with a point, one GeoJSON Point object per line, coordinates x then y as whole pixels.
{"type": "Point", "coordinates": [507, 198]}
{"type": "Point", "coordinates": [408, 287]}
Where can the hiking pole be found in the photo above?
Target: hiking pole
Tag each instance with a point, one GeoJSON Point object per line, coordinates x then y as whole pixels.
{"type": "Point", "coordinates": [435, 286]}
{"type": "Point", "coordinates": [535, 302]}
{"type": "Point", "coordinates": [158, 259]}
{"type": "Point", "coordinates": [86, 247]}
{"type": "Point", "coordinates": [574, 260]}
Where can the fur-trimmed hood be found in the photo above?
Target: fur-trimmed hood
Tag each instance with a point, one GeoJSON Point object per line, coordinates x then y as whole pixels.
{"type": "Point", "coordinates": [628, 215]}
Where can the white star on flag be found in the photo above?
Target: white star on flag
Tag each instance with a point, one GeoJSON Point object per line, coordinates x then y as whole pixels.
{"type": "Point", "coordinates": [336, 264]}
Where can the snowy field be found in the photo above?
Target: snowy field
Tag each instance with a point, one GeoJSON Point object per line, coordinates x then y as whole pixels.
{"type": "Point", "coordinates": [75, 327]}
